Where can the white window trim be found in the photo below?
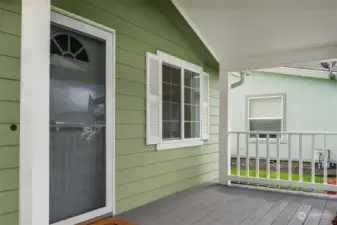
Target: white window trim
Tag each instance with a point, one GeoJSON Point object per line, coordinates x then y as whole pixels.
{"type": "Point", "coordinates": [181, 143]}
{"type": "Point", "coordinates": [283, 119]}
{"type": "Point", "coordinates": [34, 132]}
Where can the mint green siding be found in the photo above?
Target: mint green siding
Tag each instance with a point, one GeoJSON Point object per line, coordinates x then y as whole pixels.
{"type": "Point", "coordinates": [310, 107]}
{"type": "Point", "coordinates": [142, 174]}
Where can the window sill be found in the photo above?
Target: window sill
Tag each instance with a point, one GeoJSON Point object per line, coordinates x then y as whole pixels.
{"type": "Point", "coordinates": [178, 144]}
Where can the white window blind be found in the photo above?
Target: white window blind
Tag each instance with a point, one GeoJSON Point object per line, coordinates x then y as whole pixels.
{"type": "Point", "coordinates": [265, 114]}
{"type": "Point", "coordinates": [153, 99]}
{"type": "Point", "coordinates": [270, 107]}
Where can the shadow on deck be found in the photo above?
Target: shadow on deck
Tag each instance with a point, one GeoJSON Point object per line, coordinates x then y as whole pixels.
{"type": "Point", "coordinates": [212, 204]}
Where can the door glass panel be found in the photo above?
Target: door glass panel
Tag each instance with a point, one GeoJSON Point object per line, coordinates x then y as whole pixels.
{"type": "Point", "coordinates": [77, 124]}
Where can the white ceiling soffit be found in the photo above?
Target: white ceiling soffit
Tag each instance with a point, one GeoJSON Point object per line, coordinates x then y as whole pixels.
{"type": "Point", "coordinates": [264, 33]}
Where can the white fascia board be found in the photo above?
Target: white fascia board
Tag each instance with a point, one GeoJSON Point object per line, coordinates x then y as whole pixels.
{"type": "Point", "coordinates": [297, 72]}
{"type": "Point", "coordinates": [194, 27]}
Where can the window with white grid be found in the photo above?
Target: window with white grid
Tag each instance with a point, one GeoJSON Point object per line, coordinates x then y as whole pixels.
{"type": "Point", "coordinates": [182, 97]}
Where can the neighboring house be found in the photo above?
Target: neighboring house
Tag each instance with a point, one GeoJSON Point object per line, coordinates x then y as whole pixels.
{"type": "Point", "coordinates": [298, 98]}
{"type": "Point", "coordinates": [133, 112]}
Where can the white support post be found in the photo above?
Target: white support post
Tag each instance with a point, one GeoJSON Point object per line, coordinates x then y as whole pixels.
{"type": "Point", "coordinates": [224, 140]}
{"type": "Point", "coordinates": [34, 113]}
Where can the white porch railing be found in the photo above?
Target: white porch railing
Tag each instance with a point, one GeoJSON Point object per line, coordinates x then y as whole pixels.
{"type": "Point", "coordinates": [286, 147]}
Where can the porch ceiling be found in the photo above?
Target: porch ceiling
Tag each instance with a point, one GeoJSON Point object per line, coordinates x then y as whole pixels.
{"type": "Point", "coordinates": [256, 33]}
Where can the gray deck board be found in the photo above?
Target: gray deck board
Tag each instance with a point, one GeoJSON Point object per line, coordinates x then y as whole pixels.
{"type": "Point", "coordinates": [300, 215]}
{"type": "Point", "coordinates": [212, 204]}
{"type": "Point", "coordinates": [329, 212]}
{"type": "Point", "coordinates": [316, 212]}
{"type": "Point", "coordinates": [288, 212]}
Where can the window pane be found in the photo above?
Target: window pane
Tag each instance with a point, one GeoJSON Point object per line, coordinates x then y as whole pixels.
{"type": "Point", "coordinates": [192, 96]}
{"type": "Point", "coordinates": [171, 130]}
{"type": "Point", "coordinates": [166, 74]}
{"type": "Point", "coordinates": [192, 104]}
{"type": "Point", "coordinates": [192, 113]}
{"type": "Point", "coordinates": [175, 76]}
{"type": "Point", "coordinates": [187, 95]}
{"type": "Point", "coordinates": [171, 102]}
{"type": "Point", "coordinates": [166, 92]}
{"type": "Point", "coordinates": [75, 45]}
{"type": "Point", "coordinates": [175, 112]}
{"type": "Point", "coordinates": [266, 126]}
{"type": "Point", "coordinates": [62, 41]}
{"type": "Point", "coordinates": [175, 93]}
{"type": "Point", "coordinates": [195, 97]}
{"type": "Point", "coordinates": [192, 79]}
{"type": "Point", "coordinates": [166, 111]}
{"type": "Point", "coordinates": [192, 129]}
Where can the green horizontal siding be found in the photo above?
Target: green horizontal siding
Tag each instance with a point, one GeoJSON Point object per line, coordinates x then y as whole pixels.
{"type": "Point", "coordinates": [9, 179]}
{"type": "Point", "coordinates": [142, 159]}
{"type": "Point", "coordinates": [11, 218]}
{"type": "Point", "coordinates": [144, 185]}
{"type": "Point", "coordinates": [152, 195]}
{"type": "Point", "coordinates": [9, 110]}
{"type": "Point", "coordinates": [12, 6]}
{"type": "Point", "coordinates": [9, 45]}
{"type": "Point", "coordinates": [143, 174]}
{"type": "Point", "coordinates": [129, 175]}
{"type": "Point", "coordinates": [9, 67]}
{"type": "Point", "coordinates": [9, 157]}
{"type": "Point", "coordinates": [13, 22]}
{"type": "Point", "coordinates": [9, 202]}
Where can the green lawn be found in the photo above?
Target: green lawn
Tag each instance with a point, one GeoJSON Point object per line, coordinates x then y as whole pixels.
{"type": "Point", "coordinates": [283, 176]}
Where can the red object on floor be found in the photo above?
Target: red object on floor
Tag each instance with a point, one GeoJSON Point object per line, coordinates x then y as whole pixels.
{"type": "Point", "coordinates": [334, 222]}
{"type": "Point", "coordinates": [332, 181]}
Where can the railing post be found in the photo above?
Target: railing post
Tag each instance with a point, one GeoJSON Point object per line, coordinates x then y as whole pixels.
{"type": "Point", "coordinates": [290, 171]}
{"type": "Point", "coordinates": [257, 158]}
{"type": "Point", "coordinates": [300, 161]}
{"type": "Point", "coordinates": [313, 160]}
{"type": "Point", "coordinates": [224, 127]}
{"type": "Point", "coordinates": [325, 161]}
{"type": "Point", "coordinates": [268, 156]}
{"type": "Point", "coordinates": [238, 163]}
{"type": "Point", "coordinates": [247, 155]}
{"type": "Point", "coordinates": [278, 157]}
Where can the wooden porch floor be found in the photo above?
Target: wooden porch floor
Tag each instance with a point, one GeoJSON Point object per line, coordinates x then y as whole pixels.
{"type": "Point", "coordinates": [211, 204]}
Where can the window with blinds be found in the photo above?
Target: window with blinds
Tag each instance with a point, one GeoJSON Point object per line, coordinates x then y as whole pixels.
{"type": "Point", "coordinates": [266, 114]}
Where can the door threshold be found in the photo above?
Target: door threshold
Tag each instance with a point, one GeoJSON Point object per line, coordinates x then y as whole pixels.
{"type": "Point", "coordinates": [106, 221]}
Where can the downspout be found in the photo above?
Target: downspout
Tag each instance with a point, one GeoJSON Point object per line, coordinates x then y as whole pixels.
{"type": "Point", "coordinates": [242, 79]}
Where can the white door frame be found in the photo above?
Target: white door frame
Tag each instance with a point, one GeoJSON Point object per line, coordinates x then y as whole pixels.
{"type": "Point", "coordinates": [34, 109]}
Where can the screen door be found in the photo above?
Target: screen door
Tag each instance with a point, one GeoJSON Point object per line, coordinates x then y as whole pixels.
{"type": "Point", "coordinates": [77, 123]}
